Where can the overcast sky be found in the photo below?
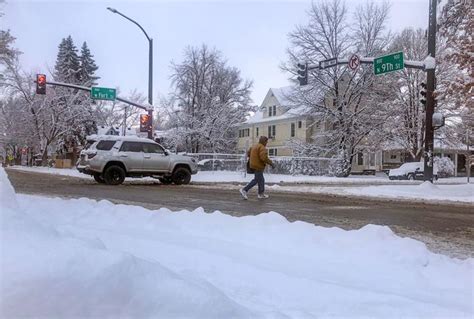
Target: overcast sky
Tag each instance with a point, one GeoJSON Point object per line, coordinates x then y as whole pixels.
{"type": "Point", "coordinates": [252, 35]}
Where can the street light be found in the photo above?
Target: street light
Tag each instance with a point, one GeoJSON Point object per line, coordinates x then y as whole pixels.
{"type": "Point", "coordinates": [150, 67]}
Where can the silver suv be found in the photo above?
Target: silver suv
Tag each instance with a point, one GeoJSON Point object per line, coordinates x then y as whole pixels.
{"type": "Point", "coordinates": [112, 158]}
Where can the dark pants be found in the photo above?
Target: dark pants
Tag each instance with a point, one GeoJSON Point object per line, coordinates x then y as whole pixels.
{"type": "Point", "coordinates": [258, 179]}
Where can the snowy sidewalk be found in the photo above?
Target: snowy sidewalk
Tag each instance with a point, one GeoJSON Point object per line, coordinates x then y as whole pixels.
{"type": "Point", "coordinates": [107, 261]}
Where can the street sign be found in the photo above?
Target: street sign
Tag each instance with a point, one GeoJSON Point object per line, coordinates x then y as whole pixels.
{"type": "Point", "coordinates": [98, 93]}
{"type": "Point", "coordinates": [327, 63]}
{"type": "Point", "coordinates": [388, 63]}
{"type": "Point", "coordinates": [354, 62]}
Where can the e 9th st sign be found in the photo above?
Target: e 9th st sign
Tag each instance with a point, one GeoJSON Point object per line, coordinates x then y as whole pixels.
{"type": "Point", "coordinates": [388, 63]}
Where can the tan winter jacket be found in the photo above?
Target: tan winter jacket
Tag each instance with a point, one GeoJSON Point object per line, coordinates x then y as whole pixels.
{"type": "Point", "coordinates": [258, 155]}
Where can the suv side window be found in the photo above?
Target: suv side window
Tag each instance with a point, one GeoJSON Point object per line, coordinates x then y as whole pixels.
{"type": "Point", "coordinates": [105, 145]}
{"type": "Point", "coordinates": [152, 148]}
{"type": "Point", "coordinates": [131, 147]}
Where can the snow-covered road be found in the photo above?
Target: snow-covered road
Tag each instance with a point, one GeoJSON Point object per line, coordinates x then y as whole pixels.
{"type": "Point", "coordinates": [378, 187]}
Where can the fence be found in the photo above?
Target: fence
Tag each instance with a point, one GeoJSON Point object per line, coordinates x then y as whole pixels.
{"type": "Point", "coordinates": [283, 164]}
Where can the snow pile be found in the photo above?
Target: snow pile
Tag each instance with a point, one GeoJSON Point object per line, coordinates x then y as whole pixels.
{"type": "Point", "coordinates": [82, 258]}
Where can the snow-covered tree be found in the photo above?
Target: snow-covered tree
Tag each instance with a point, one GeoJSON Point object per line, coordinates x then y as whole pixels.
{"type": "Point", "coordinates": [74, 69]}
{"type": "Point", "coordinates": [209, 100]}
{"type": "Point", "coordinates": [456, 26]}
{"type": "Point", "coordinates": [406, 127]}
{"type": "Point", "coordinates": [349, 105]}
{"type": "Point", "coordinates": [67, 68]}
{"type": "Point", "coordinates": [87, 67]}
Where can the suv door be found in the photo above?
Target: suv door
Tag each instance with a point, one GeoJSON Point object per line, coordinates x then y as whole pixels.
{"type": "Point", "coordinates": [131, 154]}
{"type": "Point", "coordinates": [154, 158]}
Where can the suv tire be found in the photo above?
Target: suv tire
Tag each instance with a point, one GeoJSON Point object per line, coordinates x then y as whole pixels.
{"type": "Point", "coordinates": [181, 176]}
{"type": "Point", "coordinates": [99, 179]}
{"type": "Point", "coordinates": [114, 175]}
{"type": "Point", "coordinates": [411, 177]}
{"type": "Point", "coordinates": [166, 180]}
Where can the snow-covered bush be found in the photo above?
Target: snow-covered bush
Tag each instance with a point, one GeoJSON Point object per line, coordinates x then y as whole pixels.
{"type": "Point", "coordinates": [340, 165]}
{"type": "Point", "coordinates": [301, 166]}
{"type": "Point", "coordinates": [445, 166]}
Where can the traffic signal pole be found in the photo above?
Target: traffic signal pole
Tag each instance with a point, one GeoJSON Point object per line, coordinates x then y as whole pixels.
{"type": "Point", "coordinates": [430, 87]}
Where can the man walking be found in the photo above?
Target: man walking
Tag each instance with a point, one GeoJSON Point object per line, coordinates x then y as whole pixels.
{"type": "Point", "coordinates": [258, 155]}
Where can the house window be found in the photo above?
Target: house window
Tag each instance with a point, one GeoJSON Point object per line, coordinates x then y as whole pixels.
{"type": "Point", "coordinates": [271, 131]}
{"type": "Point", "coordinates": [300, 124]}
{"type": "Point", "coordinates": [292, 131]}
{"type": "Point", "coordinates": [272, 152]}
{"type": "Point", "coordinates": [360, 159]}
{"type": "Point", "coordinates": [244, 132]}
{"type": "Point", "coordinates": [256, 131]}
{"type": "Point", "coordinates": [393, 156]}
{"type": "Point", "coordinates": [272, 110]}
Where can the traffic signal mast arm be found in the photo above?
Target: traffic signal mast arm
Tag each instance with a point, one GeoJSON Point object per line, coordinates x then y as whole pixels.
{"type": "Point", "coordinates": [83, 88]}
{"type": "Point", "coordinates": [421, 65]}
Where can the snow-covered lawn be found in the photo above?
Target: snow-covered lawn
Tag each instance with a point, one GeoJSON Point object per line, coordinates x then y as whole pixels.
{"type": "Point", "coordinates": [82, 258]}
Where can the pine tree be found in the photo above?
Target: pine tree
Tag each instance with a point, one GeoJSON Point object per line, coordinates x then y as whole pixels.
{"type": "Point", "coordinates": [67, 63]}
{"type": "Point", "coordinates": [87, 67]}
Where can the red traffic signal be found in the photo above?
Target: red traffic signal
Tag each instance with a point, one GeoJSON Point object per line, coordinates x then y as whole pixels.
{"type": "Point", "coordinates": [145, 123]}
{"type": "Point", "coordinates": [40, 84]}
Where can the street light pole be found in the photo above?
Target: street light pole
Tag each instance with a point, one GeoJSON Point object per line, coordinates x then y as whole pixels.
{"type": "Point", "coordinates": [150, 69]}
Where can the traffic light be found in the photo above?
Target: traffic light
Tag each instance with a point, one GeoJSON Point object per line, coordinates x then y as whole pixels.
{"type": "Point", "coordinates": [40, 84]}
{"type": "Point", "coordinates": [423, 94]}
{"type": "Point", "coordinates": [303, 73]}
{"type": "Point", "coordinates": [145, 123]}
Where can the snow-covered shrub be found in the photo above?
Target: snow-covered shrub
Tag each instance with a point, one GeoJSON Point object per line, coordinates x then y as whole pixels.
{"type": "Point", "coordinates": [340, 165]}
{"type": "Point", "coordinates": [301, 166]}
{"type": "Point", "coordinates": [445, 166]}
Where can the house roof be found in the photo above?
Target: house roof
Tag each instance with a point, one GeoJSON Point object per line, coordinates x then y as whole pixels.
{"type": "Point", "coordinates": [282, 95]}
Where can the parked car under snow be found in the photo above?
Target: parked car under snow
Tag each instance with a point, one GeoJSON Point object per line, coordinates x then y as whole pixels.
{"type": "Point", "coordinates": [410, 171]}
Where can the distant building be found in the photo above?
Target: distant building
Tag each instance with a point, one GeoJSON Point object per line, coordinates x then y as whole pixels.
{"type": "Point", "coordinates": [279, 120]}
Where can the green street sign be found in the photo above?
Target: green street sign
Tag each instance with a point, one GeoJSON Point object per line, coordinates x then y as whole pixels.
{"type": "Point", "coordinates": [98, 93]}
{"type": "Point", "coordinates": [388, 63]}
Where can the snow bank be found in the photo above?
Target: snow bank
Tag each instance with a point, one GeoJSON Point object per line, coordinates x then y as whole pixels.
{"type": "Point", "coordinates": [83, 258]}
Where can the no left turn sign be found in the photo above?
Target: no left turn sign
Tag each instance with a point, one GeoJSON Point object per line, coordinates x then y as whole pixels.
{"type": "Point", "coordinates": [354, 62]}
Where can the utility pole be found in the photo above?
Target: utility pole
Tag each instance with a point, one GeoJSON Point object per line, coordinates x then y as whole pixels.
{"type": "Point", "coordinates": [430, 87]}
